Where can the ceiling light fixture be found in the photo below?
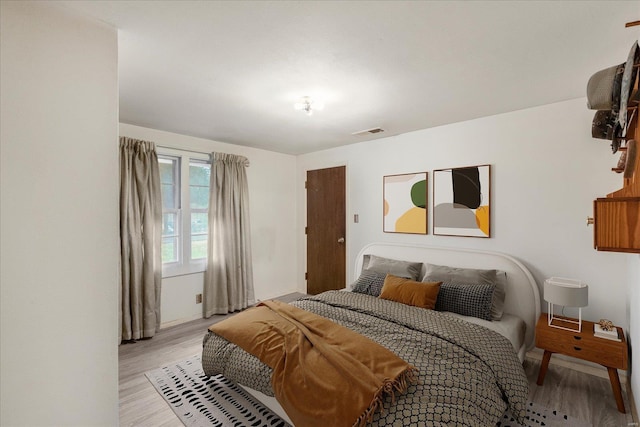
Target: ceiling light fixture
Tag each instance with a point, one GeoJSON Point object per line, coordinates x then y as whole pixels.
{"type": "Point", "coordinates": [308, 105]}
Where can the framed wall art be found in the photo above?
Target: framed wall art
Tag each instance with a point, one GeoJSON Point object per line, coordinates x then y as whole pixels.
{"type": "Point", "coordinates": [462, 201]}
{"type": "Point", "coordinates": [405, 203]}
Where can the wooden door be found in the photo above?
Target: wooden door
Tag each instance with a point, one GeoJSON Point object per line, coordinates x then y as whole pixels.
{"type": "Point", "coordinates": [326, 225]}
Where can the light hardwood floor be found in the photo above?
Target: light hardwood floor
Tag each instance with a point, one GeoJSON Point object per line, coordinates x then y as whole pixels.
{"type": "Point", "coordinates": [584, 396]}
{"type": "Point", "coordinates": [578, 394]}
{"type": "Point", "coordinates": [140, 404]}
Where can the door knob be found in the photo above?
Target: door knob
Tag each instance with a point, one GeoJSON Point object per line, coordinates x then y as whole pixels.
{"type": "Point", "coordinates": [341, 240]}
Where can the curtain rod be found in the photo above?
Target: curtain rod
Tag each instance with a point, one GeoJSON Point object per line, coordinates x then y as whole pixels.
{"type": "Point", "coordinates": [246, 163]}
{"type": "Point", "coordinates": [182, 149]}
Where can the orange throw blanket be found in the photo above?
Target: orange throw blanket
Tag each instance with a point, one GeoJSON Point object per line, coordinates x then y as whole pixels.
{"type": "Point", "coordinates": [323, 373]}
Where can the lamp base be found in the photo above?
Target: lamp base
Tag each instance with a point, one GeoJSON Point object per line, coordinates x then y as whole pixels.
{"type": "Point", "coordinates": [562, 322]}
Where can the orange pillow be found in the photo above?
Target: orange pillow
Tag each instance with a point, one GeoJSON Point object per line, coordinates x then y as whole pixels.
{"type": "Point", "coordinates": [410, 292]}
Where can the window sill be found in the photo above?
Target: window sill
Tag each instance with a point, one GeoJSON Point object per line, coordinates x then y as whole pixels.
{"type": "Point", "coordinates": [182, 270]}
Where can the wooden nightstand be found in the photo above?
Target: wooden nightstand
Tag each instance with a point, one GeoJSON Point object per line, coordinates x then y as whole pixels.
{"type": "Point", "coordinates": [584, 345]}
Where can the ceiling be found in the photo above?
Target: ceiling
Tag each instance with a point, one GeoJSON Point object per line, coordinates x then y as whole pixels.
{"type": "Point", "coordinates": [231, 71]}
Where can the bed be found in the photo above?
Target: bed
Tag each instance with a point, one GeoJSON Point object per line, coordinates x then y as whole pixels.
{"type": "Point", "coordinates": [469, 369]}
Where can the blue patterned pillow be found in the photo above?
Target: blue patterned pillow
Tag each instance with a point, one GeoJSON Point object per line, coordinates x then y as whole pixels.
{"type": "Point", "coordinates": [370, 282]}
{"type": "Point", "coordinates": [468, 300]}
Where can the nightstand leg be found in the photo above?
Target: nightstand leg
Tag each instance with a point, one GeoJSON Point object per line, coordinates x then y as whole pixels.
{"type": "Point", "coordinates": [617, 390]}
{"type": "Point", "coordinates": [545, 365]}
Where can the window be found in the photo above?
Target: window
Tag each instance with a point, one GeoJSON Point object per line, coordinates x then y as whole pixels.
{"type": "Point", "coordinates": [170, 185]}
{"type": "Point", "coordinates": [199, 173]}
{"type": "Point", "coordinates": [184, 180]}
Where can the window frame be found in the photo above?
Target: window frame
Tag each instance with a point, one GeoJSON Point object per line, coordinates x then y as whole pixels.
{"type": "Point", "coordinates": [184, 265]}
{"type": "Point", "coordinates": [192, 210]}
{"type": "Point", "coordinates": [176, 210]}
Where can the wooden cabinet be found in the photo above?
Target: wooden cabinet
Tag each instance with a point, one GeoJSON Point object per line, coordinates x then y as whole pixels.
{"type": "Point", "coordinates": [583, 345]}
{"type": "Point", "coordinates": [617, 224]}
{"type": "Point", "coordinates": [616, 218]}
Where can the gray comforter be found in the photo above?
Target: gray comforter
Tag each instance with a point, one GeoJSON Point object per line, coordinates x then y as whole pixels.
{"type": "Point", "coordinates": [468, 374]}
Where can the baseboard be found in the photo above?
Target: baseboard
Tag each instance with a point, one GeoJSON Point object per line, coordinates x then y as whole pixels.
{"type": "Point", "coordinates": [280, 294]}
{"type": "Point", "coordinates": [180, 321]}
{"type": "Point", "coordinates": [632, 404]}
{"type": "Point", "coordinates": [577, 365]}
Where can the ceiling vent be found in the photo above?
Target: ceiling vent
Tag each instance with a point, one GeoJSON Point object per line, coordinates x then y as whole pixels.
{"type": "Point", "coordinates": [371, 131]}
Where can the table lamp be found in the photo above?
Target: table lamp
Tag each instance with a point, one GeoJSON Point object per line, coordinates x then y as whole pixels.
{"type": "Point", "coordinates": [567, 293]}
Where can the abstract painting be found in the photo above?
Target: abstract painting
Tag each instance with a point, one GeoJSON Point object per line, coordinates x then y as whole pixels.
{"type": "Point", "coordinates": [405, 203]}
{"type": "Point", "coordinates": [461, 201]}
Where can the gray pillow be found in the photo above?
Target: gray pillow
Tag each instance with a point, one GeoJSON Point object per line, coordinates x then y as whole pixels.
{"type": "Point", "coordinates": [497, 305]}
{"type": "Point", "coordinates": [370, 282]}
{"type": "Point", "coordinates": [406, 269]}
{"type": "Point", "coordinates": [466, 299]}
{"type": "Point", "coordinates": [471, 276]}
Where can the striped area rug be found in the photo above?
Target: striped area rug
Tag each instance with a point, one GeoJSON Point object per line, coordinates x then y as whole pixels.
{"type": "Point", "coordinates": [201, 401]}
{"type": "Point", "coordinates": [539, 416]}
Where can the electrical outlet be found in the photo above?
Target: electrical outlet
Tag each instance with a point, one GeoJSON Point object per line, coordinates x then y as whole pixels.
{"type": "Point", "coordinates": [198, 298]}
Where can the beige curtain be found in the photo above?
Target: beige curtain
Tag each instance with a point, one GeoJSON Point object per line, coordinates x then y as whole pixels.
{"type": "Point", "coordinates": [140, 239]}
{"type": "Point", "coordinates": [228, 280]}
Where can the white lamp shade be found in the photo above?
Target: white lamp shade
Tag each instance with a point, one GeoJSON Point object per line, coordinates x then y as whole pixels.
{"type": "Point", "coordinates": [566, 292]}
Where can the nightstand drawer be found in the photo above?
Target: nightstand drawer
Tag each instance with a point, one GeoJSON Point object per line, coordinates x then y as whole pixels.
{"type": "Point", "coordinates": [582, 346]}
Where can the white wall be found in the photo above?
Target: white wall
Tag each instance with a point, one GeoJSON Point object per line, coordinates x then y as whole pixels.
{"type": "Point", "coordinates": [272, 183]}
{"type": "Point", "coordinates": [546, 172]}
{"type": "Point", "coordinates": [59, 218]}
{"type": "Point", "coordinates": [633, 305]}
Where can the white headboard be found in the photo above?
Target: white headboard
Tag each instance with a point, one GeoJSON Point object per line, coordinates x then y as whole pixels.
{"type": "Point", "coordinates": [522, 296]}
